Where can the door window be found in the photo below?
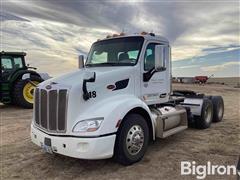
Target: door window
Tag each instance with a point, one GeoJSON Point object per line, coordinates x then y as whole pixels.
{"type": "Point", "coordinates": [149, 57]}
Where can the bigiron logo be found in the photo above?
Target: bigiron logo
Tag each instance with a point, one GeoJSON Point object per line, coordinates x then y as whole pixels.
{"type": "Point", "coordinates": [202, 171]}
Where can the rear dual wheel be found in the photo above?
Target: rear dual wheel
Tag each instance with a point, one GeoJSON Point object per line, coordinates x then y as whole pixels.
{"type": "Point", "coordinates": [218, 108]}
{"type": "Point", "coordinates": [205, 119]}
{"type": "Point", "coordinates": [212, 111]}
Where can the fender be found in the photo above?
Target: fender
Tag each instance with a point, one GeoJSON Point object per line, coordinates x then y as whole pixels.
{"type": "Point", "coordinates": [112, 110]}
{"type": "Point", "coordinates": [20, 73]}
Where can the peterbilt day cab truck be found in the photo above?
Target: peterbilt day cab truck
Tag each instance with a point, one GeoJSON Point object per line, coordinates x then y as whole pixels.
{"type": "Point", "coordinates": [118, 101]}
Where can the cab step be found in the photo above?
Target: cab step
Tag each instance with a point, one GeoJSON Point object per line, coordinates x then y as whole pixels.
{"type": "Point", "coordinates": [173, 131]}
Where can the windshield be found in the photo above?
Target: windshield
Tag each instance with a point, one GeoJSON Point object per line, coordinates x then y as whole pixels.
{"type": "Point", "coordinates": [9, 63]}
{"type": "Point", "coordinates": [115, 52]}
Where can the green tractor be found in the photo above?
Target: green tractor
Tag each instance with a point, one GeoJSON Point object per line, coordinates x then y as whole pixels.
{"type": "Point", "coordinates": [17, 80]}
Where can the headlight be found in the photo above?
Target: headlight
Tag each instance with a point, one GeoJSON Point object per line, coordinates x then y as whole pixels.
{"type": "Point", "coordinates": [88, 125]}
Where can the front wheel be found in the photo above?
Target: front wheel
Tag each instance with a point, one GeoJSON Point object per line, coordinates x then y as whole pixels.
{"type": "Point", "coordinates": [24, 91]}
{"type": "Point", "coordinates": [132, 140]}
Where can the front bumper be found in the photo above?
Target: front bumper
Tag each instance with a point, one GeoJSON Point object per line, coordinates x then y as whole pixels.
{"type": "Point", "coordinates": [82, 148]}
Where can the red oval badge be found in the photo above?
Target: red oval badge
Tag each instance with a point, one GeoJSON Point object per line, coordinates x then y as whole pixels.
{"type": "Point", "coordinates": [111, 86]}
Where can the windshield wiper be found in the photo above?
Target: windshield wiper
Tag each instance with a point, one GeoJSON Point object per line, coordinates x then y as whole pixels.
{"type": "Point", "coordinates": [100, 64]}
{"type": "Point", "coordinates": [109, 64]}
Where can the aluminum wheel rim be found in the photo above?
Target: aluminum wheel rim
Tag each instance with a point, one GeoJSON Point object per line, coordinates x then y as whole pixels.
{"type": "Point", "coordinates": [208, 114]}
{"type": "Point", "coordinates": [135, 140]}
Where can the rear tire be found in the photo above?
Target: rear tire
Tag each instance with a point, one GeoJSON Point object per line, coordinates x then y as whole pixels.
{"type": "Point", "coordinates": [18, 94]}
{"type": "Point", "coordinates": [218, 108]}
{"type": "Point", "coordinates": [204, 121]}
{"type": "Point", "coordinates": [132, 140]}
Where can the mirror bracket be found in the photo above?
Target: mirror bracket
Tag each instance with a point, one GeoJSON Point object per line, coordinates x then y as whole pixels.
{"type": "Point", "coordinates": [148, 75]}
{"type": "Point", "coordinates": [86, 95]}
{"type": "Point", "coordinates": [161, 69]}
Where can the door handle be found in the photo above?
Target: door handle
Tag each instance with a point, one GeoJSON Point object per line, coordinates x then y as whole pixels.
{"type": "Point", "coordinates": [163, 95]}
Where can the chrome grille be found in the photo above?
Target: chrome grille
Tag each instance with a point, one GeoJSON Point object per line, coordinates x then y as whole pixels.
{"type": "Point", "coordinates": [50, 109]}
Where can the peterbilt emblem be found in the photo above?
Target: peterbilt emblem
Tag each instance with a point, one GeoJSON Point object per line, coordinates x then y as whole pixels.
{"type": "Point", "coordinates": [48, 87]}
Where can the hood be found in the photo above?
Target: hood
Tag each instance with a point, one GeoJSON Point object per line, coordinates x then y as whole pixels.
{"type": "Point", "coordinates": [76, 78]}
{"type": "Point", "coordinates": [77, 107]}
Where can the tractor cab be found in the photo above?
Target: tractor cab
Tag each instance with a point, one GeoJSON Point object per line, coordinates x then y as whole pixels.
{"type": "Point", "coordinates": [11, 62]}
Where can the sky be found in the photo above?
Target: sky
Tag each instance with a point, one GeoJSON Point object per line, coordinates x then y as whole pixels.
{"type": "Point", "coordinates": [204, 35]}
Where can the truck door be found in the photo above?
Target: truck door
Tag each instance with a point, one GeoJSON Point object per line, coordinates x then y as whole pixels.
{"type": "Point", "coordinates": [155, 89]}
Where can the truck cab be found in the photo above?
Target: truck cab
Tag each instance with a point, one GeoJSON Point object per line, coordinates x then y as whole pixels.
{"type": "Point", "coordinates": [118, 101]}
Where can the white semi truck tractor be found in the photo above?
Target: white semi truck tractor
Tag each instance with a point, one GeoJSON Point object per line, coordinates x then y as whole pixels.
{"type": "Point", "coordinates": [118, 101]}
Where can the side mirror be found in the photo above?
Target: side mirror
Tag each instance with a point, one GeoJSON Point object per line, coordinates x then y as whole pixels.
{"type": "Point", "coordinates": [159, 57]}
{"type": "Point", "coordinates": [80, 61]}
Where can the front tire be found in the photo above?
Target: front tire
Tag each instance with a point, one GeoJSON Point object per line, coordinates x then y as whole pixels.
{"type": "Point", "coordinates": [132, 140]}
{"type": "Point", "coordinates": [24, 91]}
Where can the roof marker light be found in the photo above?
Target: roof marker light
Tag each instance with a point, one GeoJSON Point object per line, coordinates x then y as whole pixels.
{"type": "Point", "coordinates": [143, 33]}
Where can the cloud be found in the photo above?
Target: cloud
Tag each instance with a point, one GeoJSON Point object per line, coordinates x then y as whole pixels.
{"type": "Point", "coordinates": [222, 48]}
{"type": "Point", "coordinates": [60, 30]}
{"type": "Point", "coordinates": [220, 67]}
{"type": "Point", "coordinates": [49, 43]}
{"type": "Point", "coordinates": [194, 66]}
{"type": "Point", "coordinates": [185, 67]}
{"type": "Point", "coordinates": [4, 16]}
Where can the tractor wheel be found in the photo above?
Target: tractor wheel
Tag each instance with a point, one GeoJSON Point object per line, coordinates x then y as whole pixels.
{"type": "Point", "coordinates": [24, 91]}
{"type": "Point", "coordinates": [218, 108]}
{"type": "Point", "coordinates": [205, 119]}
{"type": "Point", "coordinates": [132, 140]}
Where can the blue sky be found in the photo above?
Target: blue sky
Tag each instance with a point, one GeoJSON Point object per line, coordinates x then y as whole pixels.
{"type": "Point", "coordinates": [204, 34]}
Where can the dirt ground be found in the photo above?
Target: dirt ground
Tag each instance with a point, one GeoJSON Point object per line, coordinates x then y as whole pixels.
{"type": "Point", "coordinates": [220, 144]}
